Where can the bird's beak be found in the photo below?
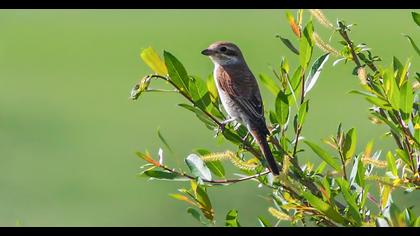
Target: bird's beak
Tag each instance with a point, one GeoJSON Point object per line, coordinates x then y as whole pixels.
{"type": "Point", "coordinates": [208, 52]}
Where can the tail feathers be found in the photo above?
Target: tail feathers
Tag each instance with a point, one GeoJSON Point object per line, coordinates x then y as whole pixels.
{"type": "Point", "coordinates": [261, 139]}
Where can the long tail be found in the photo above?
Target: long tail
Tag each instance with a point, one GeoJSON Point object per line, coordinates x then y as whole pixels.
{"type": "Point", "coordinates": [260, 136]}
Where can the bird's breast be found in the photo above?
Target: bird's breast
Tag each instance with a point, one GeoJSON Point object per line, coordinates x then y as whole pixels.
{"type": "Point", "coordinates": [228, 103]}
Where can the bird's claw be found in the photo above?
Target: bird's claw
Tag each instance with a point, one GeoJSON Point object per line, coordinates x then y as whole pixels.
{"type": "Point", "coordinates": [220, 129]}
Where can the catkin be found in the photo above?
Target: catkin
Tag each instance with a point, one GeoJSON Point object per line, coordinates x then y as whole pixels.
{"type": "Point", "coordinates": [324, 46]}
{"type": "Point", "coordinates": [236, 161]}
{"type": "Point", "coordinates": [322, 19]}
{"type": "Point", "coordinates": [376, 163]}
{"type": "Point", "coordinates": [278, 214]}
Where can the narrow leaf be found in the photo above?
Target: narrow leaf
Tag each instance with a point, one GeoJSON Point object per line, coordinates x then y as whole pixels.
{"type": "Point", "coordinates": [164, 141]}
{"type": "Point", "coordinates": [354, 209]}
{"type": "Point", "coordinates": [324, 155]}
{"type": "Point", "coordinates": [263, 222]}
{"type": "Point", "coordinates": [315, 72]}
{"type": "Point", "coordinates": [200, 114]}
{"type": "Point", "coordinates": [406, 100]}
{"type": "Point", "coordinates": [199, 93]}
{"type": "Point", "coordinates": [412, 43]}
{"type": "Point", "coordinates": [177, 72]}
{"type": "Point", "coordinates": [196, 215]}
{"type": "Point", "coordinates": [216, 168]}
{"type": "Point", "coordinates": [269, 84]}
{"type": "Point", "coordinates": [416, 17]}
{"type": "Point", "coordinates": [152, 59]}
{"type": "Point", "coordinates": [303, 110]}
{"type": "Point", "coordinates": [392, 166]}
{"type": "Point", "coordinates": [350, 144]}
{"type": "Point", "coordinates": [232, 219]}
{"type": "Point", "coordinates": [163, 175]}
{"type": "Point", "coordinates": [198, 167]}
{"type": "Point", "coordinates": [282, 108]}
{"type": "Point", "coordinates": [323, 207]}
{"type": "Point", "coordinates": [289, 45]}
{"type": "Point", "coordinates": [391, 89]}
{"type": "Point", "coordinates": [306, 45]}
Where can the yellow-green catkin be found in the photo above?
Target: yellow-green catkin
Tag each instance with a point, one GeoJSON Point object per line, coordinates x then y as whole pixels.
{"type": "Point", "coordinates": [278, 214]}
{"type": "Point", "coordinates": [236, 161]}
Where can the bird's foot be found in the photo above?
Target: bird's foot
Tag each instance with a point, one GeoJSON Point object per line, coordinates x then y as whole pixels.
{"type": "Point", "coordinates": [220, 129]}
{"type": "Point", "coordinates": [245, 137]}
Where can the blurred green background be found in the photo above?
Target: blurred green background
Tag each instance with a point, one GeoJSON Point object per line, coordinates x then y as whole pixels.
{"type": "Point", "coordinates": [68, 131]}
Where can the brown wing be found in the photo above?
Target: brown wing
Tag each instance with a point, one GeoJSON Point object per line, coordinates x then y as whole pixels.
{"type": "Point", "coordinates": [242, 87]}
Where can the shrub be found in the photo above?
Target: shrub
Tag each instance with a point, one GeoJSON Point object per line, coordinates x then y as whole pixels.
{"type": "Point", "coordinates": [333, 193]}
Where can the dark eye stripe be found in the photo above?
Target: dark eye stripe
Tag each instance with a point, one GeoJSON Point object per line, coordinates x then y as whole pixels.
{"type": "Point", "coordinates": [230, 52]}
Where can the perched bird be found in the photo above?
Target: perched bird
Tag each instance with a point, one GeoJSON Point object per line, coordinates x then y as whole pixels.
{"type": "Point", "coordinates": [239, 93]}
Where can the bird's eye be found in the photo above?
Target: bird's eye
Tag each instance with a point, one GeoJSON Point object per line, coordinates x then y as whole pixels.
{"type": "Point", "coordinates": [223, 49]}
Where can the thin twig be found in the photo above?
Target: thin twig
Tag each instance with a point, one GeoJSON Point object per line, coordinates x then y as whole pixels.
{"type": "Point", "coordinates": [246, 145]}
{"type": "Point", "coordinates": [222, 181]}
{"type": "Point", "coordinates": [343, 162]}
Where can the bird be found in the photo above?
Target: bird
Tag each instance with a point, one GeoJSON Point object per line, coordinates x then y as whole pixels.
{"type": "Point", "coordinates": [239, 94]}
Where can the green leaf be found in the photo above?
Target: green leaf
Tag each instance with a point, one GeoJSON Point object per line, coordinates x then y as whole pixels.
{"type": "Point", "coordinates": [263, 222]}
{"type": "Point", "coordinates": [321, 168]}
{"type": "Point", "coordinates": [353, 208]}
{"type": "Point", "coordinates": [412, 43]}
{"type": "Point", "coordinates": [198, 167]}
{"type": "Point", "coordinates": [391, 89]}
{"type": "Point", "coordinates": [306, 45]}
{"type": "Point", "coordinates": [296, 79]}
{"type": "Point", "coordinates": [324, 155]}
{"type": "Point", "coordinates": [162, 175]}
{"type": "Point", "coordinates": [199, 93]}
{"type": "Point", "coordinates": [363, 93]}
{"type": "Point", "coordinates": [194, 213]}
{"type": "Point", "coordinates": [315, 72]}
{"type": "Point", "coordinates": [358, 172]}
{"type": "Point", "coordinates": [282, 108]}
{"type": "Point", "coordinates": [403, 155]}
{"type": "Point", "coordinates": [269, 84]}
{"type": "Point", "coordinates": [397, 64]}
{"type": "Point", "coordinates": [406, 100]}
{"type": "Point", "coordinates": [417, 222]}
{"type": "Point", "coordinates": [216, 168]}
{"type": "Point", "coordinates": [303, 110]}
{"type": "Point", "coordinates": [396, 217]}
{"type": "Point", "coordinates": [232, 136]}
{"type": "Point", "coordinates": [392, 166]}
{"type": "Point", "coordinates": [200, 114]}
{"type": "Point", "coordinates": [203, 199]}
{"type": "Point", "coordinates": [403, 76]}
{"type": "Point", "coordinates": [232, 219]}
{"type": "Point", "coordinates": [379, 102]}
{"type": "Point", "coordinates": [211, 87]}
{"type": "Point", "coordinates": [177, 72]}
{"type": "Point", "coordinates": [289, 45]}
{"type": "Point", "coordinates": [416, 17]}
{"type": "Point", "coordinates": [323, 207]}
{"type": "Point", "coordinates": [350, 144]}
{"type": "Point", "coordinates": [164, 141]}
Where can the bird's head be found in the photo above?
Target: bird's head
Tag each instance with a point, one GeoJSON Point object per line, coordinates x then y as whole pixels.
{"type": "Point", "coordinates": [224, 53]}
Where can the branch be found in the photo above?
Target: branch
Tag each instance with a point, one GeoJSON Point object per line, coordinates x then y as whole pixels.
{"type": "Point", "coordinates": [246, 145]}
{"type": "Point", "coordinates": [223, 181]}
